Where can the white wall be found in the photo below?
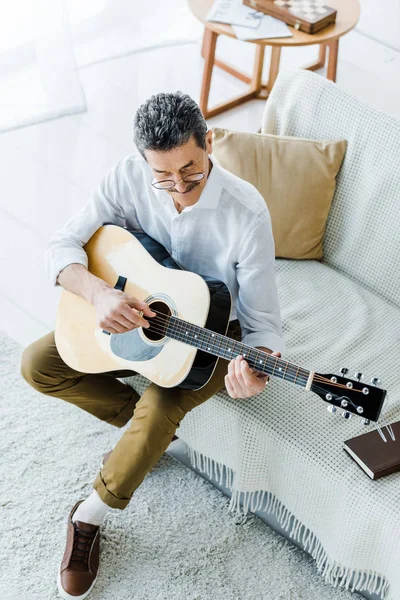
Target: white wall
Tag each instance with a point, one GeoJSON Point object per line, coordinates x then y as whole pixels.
{"type": "Point", "coordinates": [381, 20]}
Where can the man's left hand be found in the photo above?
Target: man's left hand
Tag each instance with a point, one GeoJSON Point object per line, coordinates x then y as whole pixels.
{"type": "Point", "coordinates": [242, 381]}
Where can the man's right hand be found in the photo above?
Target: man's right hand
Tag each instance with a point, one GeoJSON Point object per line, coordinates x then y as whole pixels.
{"type": "Point", "coordinates": [117, 312]}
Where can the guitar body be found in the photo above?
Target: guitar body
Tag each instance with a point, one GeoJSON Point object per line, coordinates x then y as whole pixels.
{"type": "Point", "coordinates": [155, 278]}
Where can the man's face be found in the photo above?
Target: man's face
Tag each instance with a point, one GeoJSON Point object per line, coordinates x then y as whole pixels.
{"type": "Point", "coordinates": [178, 163]}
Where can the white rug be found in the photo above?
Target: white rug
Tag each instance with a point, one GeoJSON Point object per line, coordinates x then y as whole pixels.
{"type": "Point", "coordinates": [175, 540]}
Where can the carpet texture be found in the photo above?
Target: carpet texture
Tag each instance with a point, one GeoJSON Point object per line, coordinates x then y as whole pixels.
{"type": "Point", "coordinates": [176, 539]}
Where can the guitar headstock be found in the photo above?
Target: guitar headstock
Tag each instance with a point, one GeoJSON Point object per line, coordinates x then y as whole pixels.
{"type": "Point", "coordinates": [350, 396]}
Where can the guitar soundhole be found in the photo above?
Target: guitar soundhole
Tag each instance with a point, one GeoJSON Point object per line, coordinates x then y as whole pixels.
{"type": "Point", "coordinates": [158, 324]}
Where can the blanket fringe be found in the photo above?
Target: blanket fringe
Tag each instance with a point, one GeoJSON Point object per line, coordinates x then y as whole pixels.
{"type": "Point", "coordinates": [332, 572]}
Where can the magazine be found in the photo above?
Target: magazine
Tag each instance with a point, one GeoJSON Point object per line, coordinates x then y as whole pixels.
{"type": "Point", "coordinates": [268, 28]}
{"type": "Point", "coordinates": [233, 12]}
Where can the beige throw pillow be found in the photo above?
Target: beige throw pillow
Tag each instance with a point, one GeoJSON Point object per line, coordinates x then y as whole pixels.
{"type": "Point", "coordinates": [295, 176]}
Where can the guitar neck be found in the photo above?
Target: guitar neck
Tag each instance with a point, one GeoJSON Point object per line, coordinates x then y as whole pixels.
{"type": "Point", "coordinates": [225, 347]}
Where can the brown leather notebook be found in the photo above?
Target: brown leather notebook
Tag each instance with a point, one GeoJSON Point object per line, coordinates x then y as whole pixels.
{"type": "Point", "coordinates": [376, 457]}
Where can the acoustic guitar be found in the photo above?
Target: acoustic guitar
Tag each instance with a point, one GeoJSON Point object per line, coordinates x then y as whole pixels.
{"type": "Point", "coordinates": [188, 334]}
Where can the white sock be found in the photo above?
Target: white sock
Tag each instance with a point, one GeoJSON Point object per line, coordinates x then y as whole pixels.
{"type": "Point", "coordinates": [92, 510]}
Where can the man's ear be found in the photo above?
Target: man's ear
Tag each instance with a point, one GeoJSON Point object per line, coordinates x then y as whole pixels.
{"type": "Point", "coordinates": [209, 141]}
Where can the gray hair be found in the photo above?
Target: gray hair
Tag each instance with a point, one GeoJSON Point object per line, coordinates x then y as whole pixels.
{"type": "Point", "coordinates": [168, 120]}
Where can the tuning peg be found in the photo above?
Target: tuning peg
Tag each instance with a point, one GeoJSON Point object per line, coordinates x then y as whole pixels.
{"type": "Point", "coordinates": [331, 408]}
{"type": "Point", "coordinates": [366, 421]}
{"type": "Point", "coordinates": [375, 381]}
{"type": "Point", "coordinates": [346, 414]}
{"type": "Point", "coordinates": [344, 371]}
{"type": "Point", "coordinates": [358, 376]}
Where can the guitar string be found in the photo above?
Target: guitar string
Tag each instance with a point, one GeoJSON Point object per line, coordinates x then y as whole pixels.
{"type": "Point", "coordinates": [291, 369]}
{"type": "Point", "coordinates": [296, 371]}
{"type": "Point", "coordinates": [288, 374]}
{"type": "Point", "coordinates": [290, 366]}
{"type": "Point", "coordinates": [154, 327]}
{"type": "Point", "coordinates": [316, 387]}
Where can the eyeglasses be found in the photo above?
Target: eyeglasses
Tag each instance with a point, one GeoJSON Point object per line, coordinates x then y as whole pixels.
{"type": "Point", "coordinates": [167, 184]}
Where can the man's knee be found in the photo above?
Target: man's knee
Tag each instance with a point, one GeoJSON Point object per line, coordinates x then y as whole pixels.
{"type": "Point", "coordinates": [31, 365]}
{"type": "Point", "coordinates": [37, 363]}
{"type": "Point", "coordinates": [160, 409]}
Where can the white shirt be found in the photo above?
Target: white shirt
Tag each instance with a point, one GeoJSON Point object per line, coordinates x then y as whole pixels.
{"type": "Point", "coordinates": [226, 234]}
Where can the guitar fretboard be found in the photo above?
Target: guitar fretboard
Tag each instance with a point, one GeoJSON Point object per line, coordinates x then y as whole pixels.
{"type": "Point", "coordinates": [228, 348]}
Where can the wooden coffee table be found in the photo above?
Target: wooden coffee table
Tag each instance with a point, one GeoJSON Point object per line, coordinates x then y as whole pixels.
{"type": "Point", "coordinates": [327, 39]}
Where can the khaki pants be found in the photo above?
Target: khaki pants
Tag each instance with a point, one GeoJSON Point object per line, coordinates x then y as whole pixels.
{"type": "Point", "coordinates": [155, 415]}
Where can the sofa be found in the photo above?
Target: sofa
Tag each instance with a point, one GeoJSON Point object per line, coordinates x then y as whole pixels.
{"type": "Point", "coordinates": [280, 454]}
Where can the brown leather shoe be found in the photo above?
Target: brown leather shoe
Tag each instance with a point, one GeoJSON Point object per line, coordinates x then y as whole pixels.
{"type": "Point", "coordinates": [79, 566]}
{"type": "Point", "coordinates": [107, 454]}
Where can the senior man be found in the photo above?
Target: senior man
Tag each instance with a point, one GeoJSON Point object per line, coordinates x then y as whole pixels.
{"type": "Point", "coordinates": [213, 223]}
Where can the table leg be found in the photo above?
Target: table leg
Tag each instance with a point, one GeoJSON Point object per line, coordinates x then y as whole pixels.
{"type": "Point", "coordinates": [332, 60]}
{"type": "Point", "coordinates": [209, 45]}
{"type": "Point", "coordinates": [274, 66]}
{"type": "Point", "coordinates": [322, 55]}
{"type": "Point", "coordinates": [321, 59]}
{"type": "Point", "coordinates": [203, 44]}
{"type": "Point", "coordinates": [256, 88]}
{"type": "Point", "coordinates": [273, 73]}
{"type": "Point", "coordinates": [256, 80]}
{"type": "Point", "coordinates": [208, 48]}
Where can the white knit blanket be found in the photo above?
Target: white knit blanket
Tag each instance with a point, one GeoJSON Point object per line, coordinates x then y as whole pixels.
{"type": "Point", "coordinates": [284, 452]}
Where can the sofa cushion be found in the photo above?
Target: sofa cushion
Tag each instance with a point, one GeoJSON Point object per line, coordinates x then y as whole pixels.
{"type": "Point", "coordinates": [362, 231]}
{"type": "Point", "coordinates": [284, 440]}
{"type": "Point", "coordinates": [295, 176]}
